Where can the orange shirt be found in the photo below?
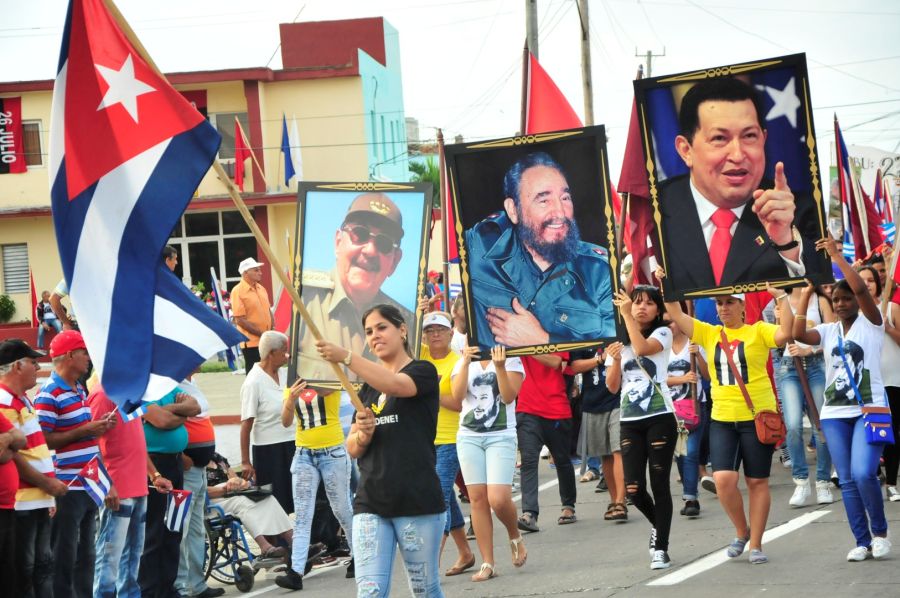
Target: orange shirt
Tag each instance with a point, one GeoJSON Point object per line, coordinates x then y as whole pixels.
{"type": "Point", "coordinates": [251, 302]}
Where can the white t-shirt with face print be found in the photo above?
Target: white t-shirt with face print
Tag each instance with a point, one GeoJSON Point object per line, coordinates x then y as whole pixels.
{"type": "Point", "coordinates": [644, 396]}
{"type": "Point", "coordinates": [483, 411]}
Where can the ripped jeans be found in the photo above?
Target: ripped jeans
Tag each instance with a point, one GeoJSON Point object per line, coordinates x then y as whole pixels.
{"type": "Point", "coordinates": [332, 465]}
{"type": "Point", "coordinates": [650, 441]}
{"type": "Point", "coordinates": [419, 540]}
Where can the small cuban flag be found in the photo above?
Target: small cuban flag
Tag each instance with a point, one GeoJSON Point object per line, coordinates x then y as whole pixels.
{"type": "Point", "coordinates": [177, 504]}
{"type": "Point", "coordinates": [95, 480]}
{"type": "Point", "coordinates": [127, 417]}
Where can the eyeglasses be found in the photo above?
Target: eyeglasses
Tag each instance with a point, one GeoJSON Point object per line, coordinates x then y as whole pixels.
{"type": "Point", "coordinates": [360, 235]}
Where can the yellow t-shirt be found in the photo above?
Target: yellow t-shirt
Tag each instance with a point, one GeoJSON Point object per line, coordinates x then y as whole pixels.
{"type": "Point", "coordinates": [448, 420]}
{"type": "Point", "coordinates": [750, 349]}
{"type": "Point", "coordinates": [319, 422]}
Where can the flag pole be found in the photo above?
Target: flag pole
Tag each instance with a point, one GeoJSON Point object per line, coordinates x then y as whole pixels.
{"type": "Point", "coordinates": [445, 209]}
{"type": "Point", "coordinates": [525, 67]}
{"type": "Point", "coordinates": [248, 218]}
{"type": "Point", "coordinates": [889, 280]}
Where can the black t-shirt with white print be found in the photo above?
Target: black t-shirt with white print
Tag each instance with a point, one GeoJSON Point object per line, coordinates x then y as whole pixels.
{"type": "Point", "coordinates": [397, 471]}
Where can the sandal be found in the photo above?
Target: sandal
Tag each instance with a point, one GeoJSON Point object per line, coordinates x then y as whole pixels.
{"type": "Point", "coordinates": [528, 523]}
{"type": "Point", "coordinates": [457, 569]}
{"type": "Point", "coordinates": [618, 512]}
{"type": "Point", "coordinates": [589, 476]}
{"type": "Point", "coordinates": [485, 573]}
{"type": "Point", "coordinates": [274, 552]}
{"type": "Point", "coordinates": [518, 548]}
{"type": "Point", "coordinates": [567, 519]}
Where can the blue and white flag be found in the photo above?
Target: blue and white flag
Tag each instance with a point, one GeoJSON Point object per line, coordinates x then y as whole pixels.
{"type": "Point", "coordinates": [178, 503]}
{"type": "Point", "coordinates": [127, 152]}
{"type": "Point", "coordinates": [95, 480]}
{"type": "Point", "coordinates": [128, 416]}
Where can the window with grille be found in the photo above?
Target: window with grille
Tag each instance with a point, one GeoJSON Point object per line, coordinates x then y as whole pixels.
{"type": "Point", "coordinates": [31, 136]}
{"type": "Point", "coordinates": [15, 268]}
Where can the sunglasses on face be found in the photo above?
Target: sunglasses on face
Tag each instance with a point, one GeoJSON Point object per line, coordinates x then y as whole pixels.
{"type": "Point", "coordinates": [360, 235]}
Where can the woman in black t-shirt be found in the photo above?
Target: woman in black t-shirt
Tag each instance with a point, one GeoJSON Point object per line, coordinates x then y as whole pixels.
{"type": "Point", "coordinates": [398, 499]}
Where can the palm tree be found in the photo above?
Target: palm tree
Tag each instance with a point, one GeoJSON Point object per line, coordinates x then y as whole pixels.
{"type": "Point", "coordinates": [428, 172]}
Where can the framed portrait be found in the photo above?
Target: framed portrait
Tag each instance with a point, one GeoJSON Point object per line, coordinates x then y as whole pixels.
{"type": "Point", "coordinates": [536, 234]}
{"type": "Point", "coordinates": [358, 245]}
{"type": "Point", "coordinates": [734, 177]}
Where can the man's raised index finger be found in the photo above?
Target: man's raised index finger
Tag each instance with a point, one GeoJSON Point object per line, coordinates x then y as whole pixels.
{"type": "Point", "coordinates": [781, 183]}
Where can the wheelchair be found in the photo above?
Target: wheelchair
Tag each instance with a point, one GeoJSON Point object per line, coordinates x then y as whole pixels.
{"type": "Point", "coordinates": [229, 558]}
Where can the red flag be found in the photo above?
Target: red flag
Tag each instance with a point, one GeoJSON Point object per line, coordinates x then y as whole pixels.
{"type": "Point", "coordinates": [546, 108]}
{"type": "Point", "coordinates": [12, 147]}
{"type": "Point", "coordinates": [284, 312]}
{"type": "Point", "coordinates": [241, 153]}
{"type": "Point", "coordinates": [34, 302]}
{"type": "Point", "coordinates": [858, 208]}
{"type": "Point", "coordinates": [633, 180]}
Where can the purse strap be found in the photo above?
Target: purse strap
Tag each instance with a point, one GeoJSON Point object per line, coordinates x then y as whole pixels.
{"type": "Point", "coordinates": [734, 371]}
{"type": "Point", "coordinates": [847, 369]}
{"type": "Point", "coordinates": [637, 359]}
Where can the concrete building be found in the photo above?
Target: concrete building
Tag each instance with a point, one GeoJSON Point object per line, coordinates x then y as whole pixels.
{"type": "Point", "coordinates": [341, 80]}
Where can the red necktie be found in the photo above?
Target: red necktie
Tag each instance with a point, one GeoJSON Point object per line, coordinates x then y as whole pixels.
{"type": "Point", "coordinates": [721, 241]}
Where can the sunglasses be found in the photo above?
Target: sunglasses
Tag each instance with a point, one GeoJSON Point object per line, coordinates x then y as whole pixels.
{"type": "Point", "coordinates": [360, 235]}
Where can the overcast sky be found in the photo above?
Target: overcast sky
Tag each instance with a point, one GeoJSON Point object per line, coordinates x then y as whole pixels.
{"type": "Point", "coordinates": [461, 59]}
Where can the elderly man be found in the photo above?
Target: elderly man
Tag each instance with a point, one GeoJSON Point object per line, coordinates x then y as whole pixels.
{"type": "Point", "coordinates": [37, 479]}
{"type": "Point", "coordinates": [65, 419]}
{"type": "Point", "coordinates": [534, 281]}
{"type": "Point", "coordinates": [367, 251]}
{"type": "Point", "coordinates": [723, 209]}
{"type": "Point", "coordinates": [251, 309]}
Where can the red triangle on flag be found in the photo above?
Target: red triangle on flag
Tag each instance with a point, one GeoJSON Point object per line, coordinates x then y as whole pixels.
{"type": "Point", "coordinates": [546, 107]}
{"type": "Point", "coordinates": [179, 496]}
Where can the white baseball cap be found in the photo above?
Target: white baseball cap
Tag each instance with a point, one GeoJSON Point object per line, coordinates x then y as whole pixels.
{"type": "Point", "coordinates": [247, 264]}
{"type": "Point", "coordinates": [437, 318]}
{"type": "Point", "coordinates": [739, 296]}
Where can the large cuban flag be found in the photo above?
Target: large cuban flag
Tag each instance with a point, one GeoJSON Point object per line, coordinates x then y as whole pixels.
{"type": "Point", "coordinates": [127, 152]}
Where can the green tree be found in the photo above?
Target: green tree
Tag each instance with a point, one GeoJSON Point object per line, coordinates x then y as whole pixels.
{"type": "Point", "coordinates": [428, 172]}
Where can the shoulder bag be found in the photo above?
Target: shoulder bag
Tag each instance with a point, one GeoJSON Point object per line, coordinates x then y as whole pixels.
{"type": "Point", "coordinates": [769, 424]}
{"type": "Point", "coordinates": [877, 419]}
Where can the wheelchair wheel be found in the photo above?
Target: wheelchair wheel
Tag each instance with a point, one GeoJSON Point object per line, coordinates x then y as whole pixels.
{"type": "Point", "coordinates": [245, 578]}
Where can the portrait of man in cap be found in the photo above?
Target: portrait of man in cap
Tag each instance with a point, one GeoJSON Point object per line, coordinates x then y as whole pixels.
{"type": "Point", "coordinates": [367, 248]}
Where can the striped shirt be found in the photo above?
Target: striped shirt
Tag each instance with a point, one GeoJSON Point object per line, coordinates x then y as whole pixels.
{"type": "Point", "coordinates": [62, 408]}
{"type": "Point", "coordinates": [21, 412]}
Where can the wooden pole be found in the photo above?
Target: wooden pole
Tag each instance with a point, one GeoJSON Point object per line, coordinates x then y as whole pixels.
{"type": "Point", "coordinates": [445, 210]}
{"type": "Point", "coordinates": [888, 289]}
{"type": "Point", "coordinates": [587, 84]}
{"type": "Point", "coordinates": [248, 218]}
{"type": "Point", "coordinates": [252, 153]}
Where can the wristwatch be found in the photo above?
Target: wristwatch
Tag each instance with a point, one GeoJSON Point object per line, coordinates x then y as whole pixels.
{"type": "Point", "coordinates": [794, 242]}
{"type": "Point", "coordinates": [346, 360]}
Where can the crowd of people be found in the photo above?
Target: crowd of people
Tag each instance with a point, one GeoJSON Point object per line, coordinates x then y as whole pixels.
{"type": "Point", "coordinates": [684, 388]}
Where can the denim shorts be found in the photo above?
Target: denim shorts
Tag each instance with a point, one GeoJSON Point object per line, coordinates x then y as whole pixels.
{"type": "Point", "coordinates": [733, 443]}
{"type": "Point", "coordinates": [487, 458]}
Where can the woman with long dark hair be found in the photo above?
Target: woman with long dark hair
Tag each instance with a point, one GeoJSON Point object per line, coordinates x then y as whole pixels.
{"type": "Point", "coordinates": [648, 426]}
{"type": "Point", "coordinates": [398, 500]}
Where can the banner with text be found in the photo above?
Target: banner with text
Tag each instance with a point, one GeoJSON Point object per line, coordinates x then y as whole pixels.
{"type": "Point", "coordinates": [12, 143]}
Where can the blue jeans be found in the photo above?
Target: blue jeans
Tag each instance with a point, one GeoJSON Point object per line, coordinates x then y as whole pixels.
{"type": "Point", "coordinates": [594, 464]}
{"type": "Point", "coordinates": [72, 536]}
{"type": "Point", "coordinates": [191, 575]}
{"type": "Point", "coordinates": [856, 462]}
{"type": "Point", "coordinates": [447, 468]}
{"type": "Point", "coordinates": [56, 324]}
{"type": "Point", "coordinates": [332, 466]}
{"type": "Point", "coordinates": [689, 464]}
{"type": "Point", "coordinates": [419, 539]}
{"type": "Point", "coordinates": [792, 402]}
{"type": "Point", "coordinates": [119, 545]}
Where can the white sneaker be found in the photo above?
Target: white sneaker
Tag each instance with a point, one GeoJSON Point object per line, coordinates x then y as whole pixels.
{"type": "Point", "coordinates": [881, 547]}
{"type": "Point", "coordinates": [801, 493]}
{"type": "Point", "coordinates": [823, 493]}
{"type": "Point", "coordinates": [860, 553]}
{"type": "Point", "coordinates": [545, 452]}
{"type": "Point", "coordinates": [893, 494]}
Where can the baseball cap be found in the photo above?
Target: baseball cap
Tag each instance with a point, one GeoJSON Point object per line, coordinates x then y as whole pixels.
{"type": "Point", "coordinates": [247, 264]}
{"type": "Point", "coordinates": [436, 318]}
{"type": "Point", "coordinates": [377, 209]}
{"type": "Point", "coordinates": [65, 341]}
{"type": "Point", "coordinates": [14, 349]}
{"type": "Point", "coordinates": [739, 296]}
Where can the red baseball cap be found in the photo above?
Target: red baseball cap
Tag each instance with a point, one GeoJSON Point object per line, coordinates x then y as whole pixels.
{"type": "Point", "coordinates": [65, 341]}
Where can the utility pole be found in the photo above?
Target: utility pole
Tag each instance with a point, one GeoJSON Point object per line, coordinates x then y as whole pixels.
{"type": "Point", "coordinates": [531, 26]}
{"type": "Point", "coordinates": [586, 83]}
{"type": "Point", "coordinates": [649, 55]}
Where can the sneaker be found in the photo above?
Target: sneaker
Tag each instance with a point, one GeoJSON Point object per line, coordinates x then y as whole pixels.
{"type": "Point", "coordinates": [801, 493]}
{"type": "Point", "coordinates": [757, 557]}
{"type": "Point", "coordinates": [785, 458]}
{"type": "Point", "coordinates": [881, 547]}
{"type": "Point", "coordinates": [708, 483]}
{"type": "Point", "coordinates": [291, 580]}
{"type": "Point", "coordinates": [545, 452]}
{"type": "Point", "coordinates": [691, 508]}
{"type": "Point", "coordinates": [736, 548]}
{"type": "Point", "coordinates": [858, 554]}
{"type": "Point", "coordinates": [660, 560]}
{"type": "Point", "coordinates": [601, 485]}
{"type": "Point", "coordinates": [893, 494]}
{"type": "Point", "coordinates": [651, 547]}
{"type": "Point", "coordinates": [823, 493]}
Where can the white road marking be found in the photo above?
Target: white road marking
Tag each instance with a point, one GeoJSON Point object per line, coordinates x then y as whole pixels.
{"type": "Point", "coordinates": [718, 557]}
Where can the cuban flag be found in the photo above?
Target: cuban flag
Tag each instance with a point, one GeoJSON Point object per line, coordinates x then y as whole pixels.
{"type": "Point", "coordinates": [128, 416]}
{"type": "Point", "coordinates": [177, 504]}
{"type": "Point", "coordinates": [220, 307]}
{"type": "Point", "coordinates": [95, 480]}
{"type": "Point", "coordinates": [861, 220]}
{"type": "Point", "coordinates": [127, 152]}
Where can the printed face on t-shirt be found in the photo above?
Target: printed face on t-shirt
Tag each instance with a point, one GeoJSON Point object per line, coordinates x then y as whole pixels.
{"type": "Point", "coordinates": [487, 412]}
{"type": "Point", "coordinates": [840, 391]}
{"type": "Point", "coordinates": [678, 367]}
{"type": "Point", "coordinates": [639, 387]}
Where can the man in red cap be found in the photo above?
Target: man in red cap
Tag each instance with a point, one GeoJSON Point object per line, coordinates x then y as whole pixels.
{"type": "Point", "coordinates": [65, 418]}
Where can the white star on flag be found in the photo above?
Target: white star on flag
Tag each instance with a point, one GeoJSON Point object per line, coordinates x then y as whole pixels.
{"type": "Point", "coordinates": [785, 102]}
{"type": "Point", "coordinates": [124, 87]}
